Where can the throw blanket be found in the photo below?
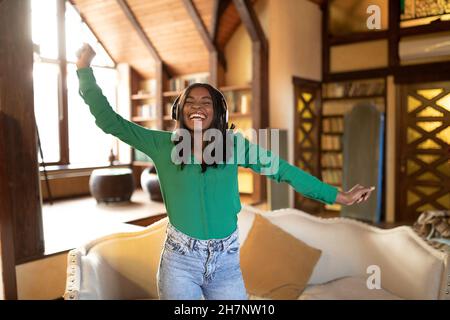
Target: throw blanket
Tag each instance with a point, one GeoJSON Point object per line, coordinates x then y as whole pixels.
{"type": "Point", "coordinates": [434, 226]}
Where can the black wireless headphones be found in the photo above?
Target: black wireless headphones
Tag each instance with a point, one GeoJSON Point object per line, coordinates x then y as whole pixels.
{"type": "Point", "coordinates": [176, 107]}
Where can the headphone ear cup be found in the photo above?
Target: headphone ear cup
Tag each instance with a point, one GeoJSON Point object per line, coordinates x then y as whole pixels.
{"type": "Point", "coordinates": [175, 109]}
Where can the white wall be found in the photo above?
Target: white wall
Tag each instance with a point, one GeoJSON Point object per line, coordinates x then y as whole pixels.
{"type": "Point", "coordinates": [295, 50]}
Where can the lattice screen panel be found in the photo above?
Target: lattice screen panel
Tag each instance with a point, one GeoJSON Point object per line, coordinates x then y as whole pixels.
{"type": "Point", "coordinates": [425, 145]}
{"type": "Point", "coordinates": [306, 140]}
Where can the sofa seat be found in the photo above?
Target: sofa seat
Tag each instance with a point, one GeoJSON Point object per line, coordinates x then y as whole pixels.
{"type": "Point", "coordinates": [348, 288]}
{"type": "Point", "coordinates": [125, 265]}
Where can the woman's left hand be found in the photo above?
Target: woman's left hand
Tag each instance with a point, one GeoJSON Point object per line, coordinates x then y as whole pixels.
{"type": "Point", "coordinates": [357, 194]}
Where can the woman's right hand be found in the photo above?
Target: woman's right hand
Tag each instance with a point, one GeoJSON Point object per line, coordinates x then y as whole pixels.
{"type": "Point", "coordinates": [85, 55]}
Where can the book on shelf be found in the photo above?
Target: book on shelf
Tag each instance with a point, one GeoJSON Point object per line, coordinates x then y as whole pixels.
{"type": "Point", "coordinates": [238, 101]}
{"type": "Point", "coordinates": [333, 125]}
{"type": "Point", "coordinates": [331, 142]}
{"type": "Point", "coordinates": [354, 88]}
{"type": "Point", "coordinates": [333, 177]}
{"type": "Point", "coordinates": [231, 103]}
{"type": "Point", "coordinates": [180, 83]}
{"type": "Point", "coordinates": [331, 160]}
{"type": "Point", "coordinates": [146, 111]}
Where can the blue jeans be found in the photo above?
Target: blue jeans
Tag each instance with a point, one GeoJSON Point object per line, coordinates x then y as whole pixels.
{"type": "Point", "coordinates": [190, 268]}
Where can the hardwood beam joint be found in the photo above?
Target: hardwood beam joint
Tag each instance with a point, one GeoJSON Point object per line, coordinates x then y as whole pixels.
{"type": "Point", "coordinates": [203, 31]}
{"type": "Point", "coordinates": [141, 33]}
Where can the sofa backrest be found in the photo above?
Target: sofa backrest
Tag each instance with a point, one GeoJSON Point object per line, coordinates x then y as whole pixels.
{"type": "Point", "coordinates": [119, 266]}
{"type": "Point", "coordinates": [125, 265]}
{"type": "Point", "coordinates": [409, 267]}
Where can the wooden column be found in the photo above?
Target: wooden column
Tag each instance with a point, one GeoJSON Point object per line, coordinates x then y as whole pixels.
{"type": "Point", "coordinates": [260, 80]}
{"type": "Point", "coordinates": [8, 287]}
{"type": "Point", "coordinates": [20, 218]}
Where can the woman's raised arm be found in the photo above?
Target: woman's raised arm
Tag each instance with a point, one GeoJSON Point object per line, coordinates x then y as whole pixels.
{"type": "Point", "coordinates": [106, 118]}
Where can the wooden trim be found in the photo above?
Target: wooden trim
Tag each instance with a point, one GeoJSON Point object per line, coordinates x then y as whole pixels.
{"type": "Point", "coordinates": [358, 37]}
{"type": "Point", "coordinates": [325, 40]}
{"type": "Point", "coordinates": [439, 26]}
{"type": "Point", "coordinates": [429, 72]}
{"type": "Point", "coordinates": [160, 76]}
{"type": "Point", "coordinates": [394, 25]}
{"type": "Point", "coordinates": [357, 75]}
{"type": "Point", "coordinates": [354, 97]}
{"type": "Point", "coordinates": [303, 82]}
{"type": "Point", "coordinates": [63, 102]}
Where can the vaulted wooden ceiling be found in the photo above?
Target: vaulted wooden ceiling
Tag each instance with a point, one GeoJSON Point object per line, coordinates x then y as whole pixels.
{"type": "Point", "coordinates": [168, 26]}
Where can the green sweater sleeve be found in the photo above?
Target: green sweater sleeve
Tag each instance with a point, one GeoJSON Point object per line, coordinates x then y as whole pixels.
{"type": "Point", "coordinates": [110, 122]}
{"type": "Point", "coordinates": [264, 162]}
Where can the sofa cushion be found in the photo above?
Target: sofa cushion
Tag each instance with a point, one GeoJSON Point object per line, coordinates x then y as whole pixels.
{"type": "Point", "coordinates": [275, 264]}
{"type": "Point", "coordinates": [348, 288]}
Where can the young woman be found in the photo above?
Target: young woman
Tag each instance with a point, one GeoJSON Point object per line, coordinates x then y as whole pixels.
{"type": "Point", "coordinates": [201, 251]}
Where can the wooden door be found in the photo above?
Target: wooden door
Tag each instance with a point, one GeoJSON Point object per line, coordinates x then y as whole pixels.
{"type": "Point", "coordinates": [307, 108]}
{"type": "Point", "coordinates": [423, 168]}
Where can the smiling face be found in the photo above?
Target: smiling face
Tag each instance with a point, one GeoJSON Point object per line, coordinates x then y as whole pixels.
{"type": "Point", "coordinates": [198, 109]}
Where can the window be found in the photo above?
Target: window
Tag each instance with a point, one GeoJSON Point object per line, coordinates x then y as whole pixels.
{"type": "Point", "coordinates": [67, 130]}
{"type": "Point", "coordinates": [46, 76]}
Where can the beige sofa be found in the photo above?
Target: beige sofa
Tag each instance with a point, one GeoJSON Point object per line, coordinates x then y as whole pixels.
{"type": "Point", "coordinates": [124, 266]}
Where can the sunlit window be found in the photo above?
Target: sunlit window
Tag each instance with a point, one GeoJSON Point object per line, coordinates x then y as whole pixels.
{"type": "Point", "coordinates": [46, 107]}
{"type": "Point", "coordinates": [88, 145]}
{"type": "Point", "coordinates": [44, 27]}
{"type": "Point", "coordinates": [78, 33]}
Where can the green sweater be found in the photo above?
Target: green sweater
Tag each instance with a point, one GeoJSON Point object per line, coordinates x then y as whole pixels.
{"type": "Point", "coordinates": [201, 205]}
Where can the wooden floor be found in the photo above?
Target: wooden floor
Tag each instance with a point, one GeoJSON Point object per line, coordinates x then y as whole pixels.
{"type": "Point", "coordinates": [71, 223]}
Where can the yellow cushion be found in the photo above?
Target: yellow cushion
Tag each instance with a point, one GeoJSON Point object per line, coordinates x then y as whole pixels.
{"type": "Point", "coordinates": [275, 264]}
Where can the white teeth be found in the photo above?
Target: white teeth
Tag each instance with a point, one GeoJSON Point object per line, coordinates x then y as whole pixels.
{"type": "Point", "coordinates": [197, 116]}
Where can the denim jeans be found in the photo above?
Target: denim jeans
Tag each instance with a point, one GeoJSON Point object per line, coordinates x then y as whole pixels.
{"type": "Point", "coordinates": [192, 269]}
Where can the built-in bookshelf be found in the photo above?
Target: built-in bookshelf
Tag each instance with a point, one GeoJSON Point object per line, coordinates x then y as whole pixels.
{"type": "Point", "coordinates": [144, 109]}
{"type": "Point", "coordinates": [337, 99]}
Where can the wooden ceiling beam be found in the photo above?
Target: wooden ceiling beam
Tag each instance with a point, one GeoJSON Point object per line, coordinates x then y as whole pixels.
{"type": "Point", "coordinates": [251, 22]}
{"type": "Point", "coordinates": [219, 8]}
{"type": "Point", "coordinates": [142, 35]}
{"type": "Point", "coordinates": [203, 31]}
